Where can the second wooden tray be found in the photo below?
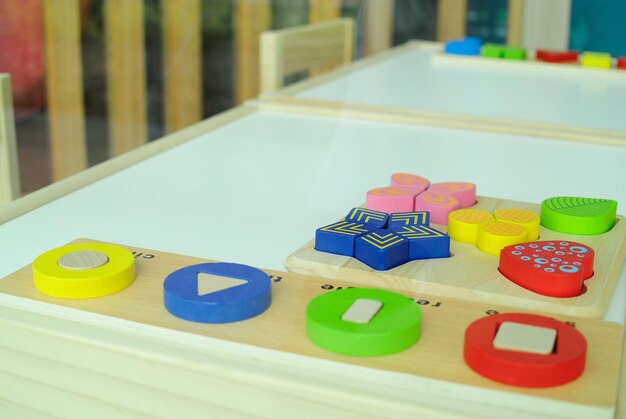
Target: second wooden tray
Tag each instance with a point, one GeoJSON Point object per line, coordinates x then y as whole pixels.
{"type": "Point", "coordinates": [473, 275]}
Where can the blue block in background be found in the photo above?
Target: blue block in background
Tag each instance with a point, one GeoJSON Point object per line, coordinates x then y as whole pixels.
{"type": "Point", "coordinates": [369, 217]}
{"type": "Point", "coordinates": [425, 242]}
{"type": "Point", "coordinates": [382, 249]}
{"type": "Point", "coordinates": [470, 45]}
{"type": "Point", "coordinates": [405, 219]}
{"type": "Point", "coordinates": [339, 237]}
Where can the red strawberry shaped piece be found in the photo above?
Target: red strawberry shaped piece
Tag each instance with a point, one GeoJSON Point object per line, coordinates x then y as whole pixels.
{"type": "Point", "coordinates": [553, 268]}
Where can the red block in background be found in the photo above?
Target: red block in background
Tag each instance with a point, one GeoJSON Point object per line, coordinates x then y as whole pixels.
{"type": "Point", "coordinates": [556, 56]}
{"type": "Point", "coordinates": [621, 63]}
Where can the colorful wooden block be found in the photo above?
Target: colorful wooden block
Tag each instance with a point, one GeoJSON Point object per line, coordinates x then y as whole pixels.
{"type": "Point", "coordinates": [382, 249]}
{"type": "Point", "coordinates": [463, 224]}
{"type": "Point", "coordinates": [595, 60]}
{"type": "Point", "coordinates": [522, 217]}
{"type": "Point", "coordinates": [393, 322]}
{"type": "Point", "coordinates": [556, 56]}
{"type": "Point", "coordinates": [339, 237]}
{"type": "Point", "coordinates": [410, 181]}
{"type": "Point", "coordinates": [403, 219]}
{"type": "Point", "coordinates": [367, 216]}
{"type": "Point", "coordinates": [438, 204]}
{"type": "Point", "coordinates": [576, 215]}
{"type": "Point", "coordinates": [467, 46]}
{"type": "Point", "coordinates": [492, 51]}
{"type": "Point", "coordinates": [519, 368]}
{"type": "Point", "coordinates": [241, 292]}
{"type": "Point", "coordinates": [425, 242]}
{"type": "Point", "coordinates": [391, 199]}
{"type": "Point", "coordinates": [493, 237]}
{"type": "Point", "coordinates": [514, 53]}
{"type": "Point", "coordinates": [464, 192]}
{"type": "Point", "coordinates": [621, 63]}
{"type": "Point", "coordinates": [87, 270]}
{"type": "Point", "coordinates": [552, 268]}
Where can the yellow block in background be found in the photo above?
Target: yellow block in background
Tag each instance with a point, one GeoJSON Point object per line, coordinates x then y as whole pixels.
{"type": "Point", "coordinates": [595, 59]}
{"type": "Point", "coordinates": [463, 224]}
{"type": "Point", "coordinates": [522, 217]}
{"type": "Point", "coordinates": [493, 237]}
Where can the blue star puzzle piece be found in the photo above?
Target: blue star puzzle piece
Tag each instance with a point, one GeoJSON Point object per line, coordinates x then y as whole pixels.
{"type": "Point", "coordinates": [470, 45]}
{"type": "Point", "coordinates": [405, 219]}
{"type": "Point", "coordinates": [367, 216]}
{"type": "Point", "coordinates": [425, 242]}
{"type": "Point", "coordinates": [339, 237]}
{"type": "Point", "coordinates": [382, 249]}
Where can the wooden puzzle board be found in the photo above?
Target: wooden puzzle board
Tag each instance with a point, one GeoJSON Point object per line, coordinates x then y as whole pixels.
{"type": "Point", "coordinates": [282, 328]}
{"type": "Point", "coordinates": [471, 274]}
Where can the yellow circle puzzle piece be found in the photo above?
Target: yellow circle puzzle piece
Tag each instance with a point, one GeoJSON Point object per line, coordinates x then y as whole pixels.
{"type": "Point", "coordinates": [84, 270]}
{"type": "Point", "coordinates": [525, 218]}
{"type": "Point", "coordinates": [493, 237]}
{"type": "Point", "coordinates": [463, 224]}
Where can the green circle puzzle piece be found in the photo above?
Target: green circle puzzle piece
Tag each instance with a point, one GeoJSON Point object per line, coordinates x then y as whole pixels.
{"type": "Point", "coordinates": [385, 322]}
{"type": "Point", "coordinates": [573, 215]}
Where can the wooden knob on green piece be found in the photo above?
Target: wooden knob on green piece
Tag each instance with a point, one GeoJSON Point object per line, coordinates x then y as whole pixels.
{"type": "Point", "coordinates": [574, 215]}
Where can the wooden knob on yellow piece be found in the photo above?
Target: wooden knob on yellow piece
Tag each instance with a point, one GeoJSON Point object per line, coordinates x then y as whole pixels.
{"type": "Point", "coordinates": [84, 270]}
{"type": "Point", "coordinates": [522, 217]}
{"type": "Point", "coordinates": [463, 224]}
{"type": "Point", "coordinates": [493, 237]}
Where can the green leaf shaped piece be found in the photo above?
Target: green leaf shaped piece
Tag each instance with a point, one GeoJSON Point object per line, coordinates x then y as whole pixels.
{"type": "Point", "coordinates": [574, 215]}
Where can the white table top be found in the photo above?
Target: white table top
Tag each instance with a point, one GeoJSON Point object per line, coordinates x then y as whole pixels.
{"type": "Point", "coordinates": [256, 189]}
{"type": "Point", "coordinates": [420, 77]}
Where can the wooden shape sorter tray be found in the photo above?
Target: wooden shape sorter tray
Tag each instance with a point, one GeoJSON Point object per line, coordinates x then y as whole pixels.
{"type": "Point", "coordinates": [430, 373]}
{"type": "Point", "coordinates": [473, 275]}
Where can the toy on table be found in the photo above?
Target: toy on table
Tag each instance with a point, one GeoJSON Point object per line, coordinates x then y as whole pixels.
{"type": "Point", "coordinates": [527, 350]}
{"type": "Point", "coordinates": [503, 51]}
{"type": "Point", "coordinates": [575, 215]}
{"type": "Point", "coordinates": [490, 233]}
{"type": "Point", "coordinates": [383, 241]}
{"type": "Point", "coordinates": [217, 292]}
{"type": "Point", "coordinates": [346, 324]}
{"type": "Point", "coordinates": [470, 45]}
{"type": "Point", "coordinates": [84, 270]}
{"type": "Point", "coordinates": [559, 57]}
{"type": "Point", "coordinates": [363, 322]}
{"type": "Point", "coordinates": [595, 60]}
{"type": "Point", "coordinates": [621, 63]}
{"type": "Point", "coordinates": [414, 193]}
{"type": "Point", "coordinates": [552, 268]}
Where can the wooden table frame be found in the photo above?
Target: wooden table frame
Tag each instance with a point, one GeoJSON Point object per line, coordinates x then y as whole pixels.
{"type": "Point", "coordinates": [135, 343]}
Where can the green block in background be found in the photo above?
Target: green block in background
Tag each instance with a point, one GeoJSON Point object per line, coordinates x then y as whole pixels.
{"type": "Point", "coordinates": [574, 215]}
{"type": "Point", "coordinates": [492, 51]}
{"type": "Point", "coordinates": [395, 327]}
{"type": "Point", "coordinates": [515, 53]}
